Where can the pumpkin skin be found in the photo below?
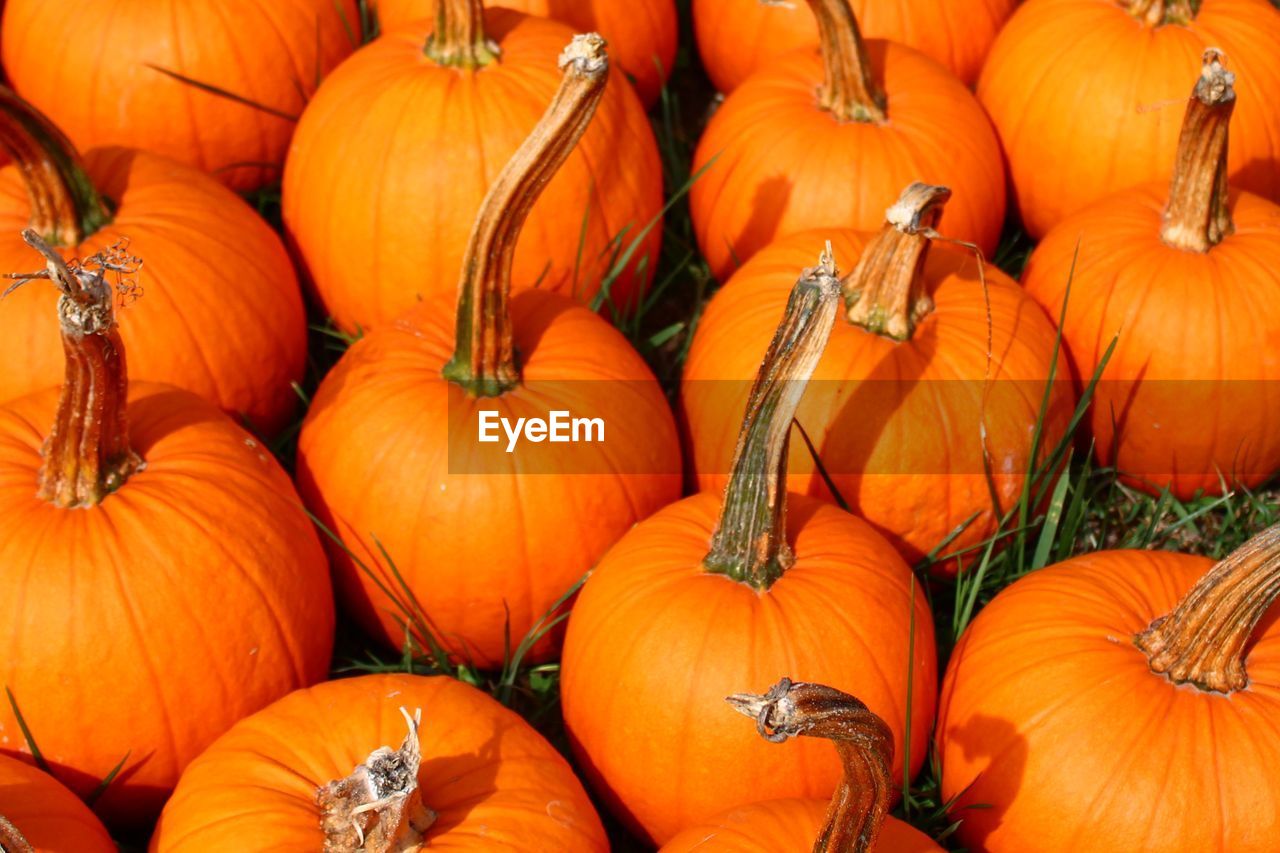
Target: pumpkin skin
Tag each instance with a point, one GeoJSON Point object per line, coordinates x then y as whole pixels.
{"type": "Point", "coordinates": [108, 92]}
{"type": "Point", "coordinates": [220, 314]}
{"type": "Point", "coordinates": [641, 33]}
{"type": "Point", "coordinates": [1084, 86]}
{"type": "Point", "coordinates": [375, 247]}
{"type": "Point", "coordinates": [200, 585]}
{"type": "Point", "coordinates": [49, 816]}
{"type": "Point", "coordinates": [1052, 718]}
{"type": "Point", "coordinates": [492, 780]}
{"type": "Point", "coordinates": [736, 38]}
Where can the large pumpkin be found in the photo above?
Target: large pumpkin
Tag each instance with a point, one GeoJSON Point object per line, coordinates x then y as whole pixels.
{"type": "Point", "coordinates": [713, 593]}
{"type": "Point", "coordinates": [158, 577]}
{"type": "Point", "coordinates": [905, 392]}
{"type": "Point", "coordinates": [486, 537]}
{"type": "Point", "coordinates": [429, 135]}
{"type": "Point", "coordinates": [222, 314]}
{"type": "Point", "coordinates": [1087, 708]}
{"type": "Point", "coordinates": [215, 85]}
{"type": "Point", "coordinates": [1085, 95]}
{"type": "Point", "coordinates": [1188, 276]}
{"type": "Point", "coordinates": [44, 815]}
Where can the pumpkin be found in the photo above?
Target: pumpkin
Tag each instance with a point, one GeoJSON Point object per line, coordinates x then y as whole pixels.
{"type": "Point", "coordinates": [222, 315]}
{"type": "Point", "coordinates": [905, 390]}
{"type": "Point", "coordinates": [1188, 275]}
{"type": "Point", "coordinates": [429, 135]}
{"type": "Point", "coordinates": [1086, 694]}
{"type": "Point", "coordinates": [642, 35]}
{"type": "Point", "coordinates": [475, 776]}
{"type": "Point", "coordinates": [159, 577]}
{"type": "Point", "coordinates": [477, 541]}
{"type": "Point", "coordinates": [217, 86]}
{"type": "Point", "coordinates": [855, 821]}
{"type": "Point", "coordinates": [736, 38]}
{"type": "Point", "coordinates": [714, 592]}
{"type": "Point", "coordinates": [779, 158]}
{"type": "Point", "coordinates": [1084, 95]}
{"type": "Point", "coordinates": [43, 816]}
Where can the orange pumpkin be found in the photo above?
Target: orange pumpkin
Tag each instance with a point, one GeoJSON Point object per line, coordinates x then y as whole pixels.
{"type": "Point", "coordinates": [1078, 716]}
{"type": "Point", "coordinates": [478, 775]}
{"type": "Point", "coordinates": [641, 33]}
{"type": "Point", "coordinates": [430, 135]}
{"type": "Point", "coordinates": [222, 315]}
{"type": "Point", "coordinates": [1084, 95]}
{"type": "Point", "coordinates": [905, 390]}
{"type": "Point", "coordinates": [711, 593]}
{"type": "Point", "coordinates": [798, 147]}
{"type": "Point", "coordinates": [160, 578]}
{"type": "Point", "coordinates": [44, 816]}
{"type": "Point", "coordinates": [486, 541]}
{"type": "Point", "coordinates": [736, 38]}
{"type": "Point", "coordinates": [217, 86]}
{"type": "Point", "coordinates": [1188, 276]}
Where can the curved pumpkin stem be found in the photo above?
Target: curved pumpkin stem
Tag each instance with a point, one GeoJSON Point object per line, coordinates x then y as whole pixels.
{"type": "Point", "coordinates": [750, 539]}
{"type": "Point", "coordinates": [1197, 217]}
{"type": "Point", "coordinates": [484, 359]}
{"type": "Point", "coordinates": [848, 92]}
{"type": "Point", "coordinates": [11, 841]}
{"type": "Point", "coordinates": [65, 207]}
{"type": "Point", "coordinates": [459, 39]}
{"type": "Point", "coordinates": [1156, 13]}
{"type": "Point", "coordinates": [1202, 641]}
{"type": "Point", "coordinates": [862, 740]}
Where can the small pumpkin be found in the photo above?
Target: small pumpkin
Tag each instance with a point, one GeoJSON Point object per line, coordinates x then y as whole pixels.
{"type": "Point", "coordinates": [158, 577]}
{"type": "Point", "coordinates": [430, 115]}
{"type": "Point", "coordinates": [1086, 693]}
{"type": "Point", "coordinates": [714, 592]}
{"type": "Point", "coordinates": [217, 86]}
{"type": "Point", "coordinates": [38, 815]}
{"type": "Point", "coordinates": [821, 138]}
{"type": "Point", "coordinates": [1084, 95]}
{"type": "Point", "coordinates": [1187, 274]}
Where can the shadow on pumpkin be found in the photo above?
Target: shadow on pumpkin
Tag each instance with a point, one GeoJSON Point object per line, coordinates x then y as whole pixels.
{"type": "Point", "coordinates": [1003, 755]}
{"type": "Point", "coordinates": [474, 774]}
{"type": "Point", "coordinates": [761, 228]}
{"type": "Point", "coordinates": [120, 796]}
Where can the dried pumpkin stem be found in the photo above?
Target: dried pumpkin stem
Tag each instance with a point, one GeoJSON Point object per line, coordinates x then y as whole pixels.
{"type": "Point", "coordinates": [11, 841]}
{"type": "Point", "coordinates": [1156, 13]}
{"type": "Point", "coordinates": [885, 292]}
{"type": "Point", "coordinates": [459, 39]}
{"type": "Point", "coordinates": [862, 740]}
{"type": "Point", "coordinates": [1197, 216]}
{"type": "Point", "coordinates": [484, 360]}
{"type": "Point", "coordinates": [750, 540]}
{"type": "Point", "coordinates": [848, 90]}
{"type": "Point", "coordinates": [65, 207]}
{"type": "Point", "coordinates": [1202, 641]}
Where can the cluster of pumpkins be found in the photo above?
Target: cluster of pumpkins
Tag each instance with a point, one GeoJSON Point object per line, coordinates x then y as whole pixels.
{"type": "Point", "coordinates": [460, 194]}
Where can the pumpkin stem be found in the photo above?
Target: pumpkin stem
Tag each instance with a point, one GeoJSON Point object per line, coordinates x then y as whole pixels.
{"type": "Point", "coordinates": [750, 539]}
{"type": "Point", "coordinates": [885, 292]}
{"type": "Point", "coordinates": [848, 90]}
{"type": "Point", "coordinates": [484, 360]}
{"type": "Point", "coordinates": [1197, 217]}
{"type": "Point", "coordinates": [1202, 641]}
{"type": "Point", "coordinates": [459, 40]}
{"type": "Point", "coordinates": [65, 207]}
{"type": "Point", "coordinates": [1157, 13]}
{"type": "Point", "coordinates": [862, 740]}
{"type": "Point", "coordinates": [378, 808]}
{"type": "Point", "coordinates": [11, 841]}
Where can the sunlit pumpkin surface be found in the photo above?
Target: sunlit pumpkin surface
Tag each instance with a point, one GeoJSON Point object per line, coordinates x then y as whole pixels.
{"type": "Point", "coordinates": [50, 817]}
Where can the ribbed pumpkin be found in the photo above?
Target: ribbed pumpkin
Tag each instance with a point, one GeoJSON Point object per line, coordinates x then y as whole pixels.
{"type": "Point", "coordinates": [222, 314]}
{"type": "Point", "coordinates": [44, 815]}
{"type": "Point", "coordinates": [486, 541]}
{"type": "Point", "coordinates": [471, 775]}
{"type": "Point", "coordinates": [824, 137]}
{"type": "Point", "coordinates": [118, 74]}
{"type": "Point", "coordinates": [1085, 95]}
{"type": "Point", "coordinates": [641, 33]}
{"type": "Point", "coordinates": [736, 38]}
{"type": "Point", "coordinates": [1088, 708]}
{"type": "Point", "coordinates": [899, 401]}
{"type": "Point", "coordinates": [1188, 275]}
{"type": "Point", "coordinates": [397, 150]}
{"type": "Point", "coordinates": [158, 577]}
{"type": "Point", "coordinates": [713, 593]}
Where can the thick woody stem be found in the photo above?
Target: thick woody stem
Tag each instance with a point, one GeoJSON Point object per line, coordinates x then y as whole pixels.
{"type": "Point", "coordinates": [1197, 216]}
{"type": "Point", "coordinates": [750, 539]}
{"type": "Point", "coordinates": [484, 358]}
{"type": "Point", "coordinates": [1155, 13]}
{"type": "Point", "coordinates": [11, 841]}
{"type": "Point", "coordinates": [1202, 642]}
{"type": "Point", "coordinates": [848, 91]}
{"type": "Point", "coordinates": [863, 741]}
{"type": "Point", "coordinates": [459, 39]}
